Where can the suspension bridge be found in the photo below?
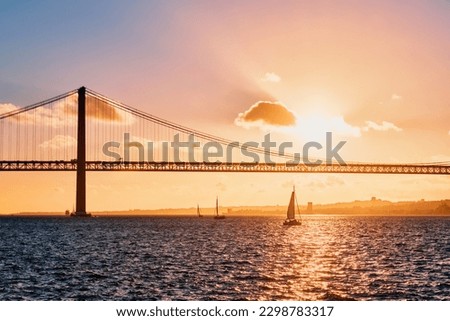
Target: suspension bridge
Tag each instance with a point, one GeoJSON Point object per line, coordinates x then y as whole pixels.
{"type": "Point", "coordinates": [80, 130]}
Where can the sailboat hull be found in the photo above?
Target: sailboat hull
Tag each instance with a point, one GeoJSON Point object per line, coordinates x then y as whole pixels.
{"type": "Point", "coordinates": [219, 217]}
{"type": "Point", "coordinates": [292, 222]}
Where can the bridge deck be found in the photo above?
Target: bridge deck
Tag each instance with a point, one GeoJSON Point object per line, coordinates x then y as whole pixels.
{"type": "Point", "coordinates": [359, 168]}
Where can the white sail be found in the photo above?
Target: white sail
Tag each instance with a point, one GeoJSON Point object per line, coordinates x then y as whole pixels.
{"type": "Point", "coordinates": [291, 208]}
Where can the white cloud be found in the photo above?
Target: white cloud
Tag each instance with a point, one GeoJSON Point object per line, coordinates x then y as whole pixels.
{"type": "Point", "coordinates": [64, 112]}
{"type": "Point", "coordinates": [384, 126]}
{"type": "Point", "coordinates": [271, 77]}
{"type": "Point", "coordinates": [6, 108]}
{"type": "Point", "coordinates": [396, 97]}
{"type": "Point", "coordinates": [59, 141]}
{"type": "Point", "coordinates": [55, 115]}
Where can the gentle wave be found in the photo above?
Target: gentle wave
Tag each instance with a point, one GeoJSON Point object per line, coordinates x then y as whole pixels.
{"type": "Point", "coordinates": [240, 258]}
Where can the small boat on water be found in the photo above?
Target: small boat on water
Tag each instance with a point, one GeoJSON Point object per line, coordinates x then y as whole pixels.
{"type": "Point", "coordinates": [290, 219]}
{"type": "Point", "coordinates": [217, 216]}
{"type": "Point", "coordinates": [198, 212]}
{"type": "Point", "coordinates": [80, 214]}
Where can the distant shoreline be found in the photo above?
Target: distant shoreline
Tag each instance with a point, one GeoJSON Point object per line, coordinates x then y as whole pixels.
{"type": "Point", "coordinates": [46, 215]}
{"type": "Point", "coordinates": [373, 207]}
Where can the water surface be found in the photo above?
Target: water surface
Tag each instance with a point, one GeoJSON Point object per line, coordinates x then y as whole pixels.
{"type": "Point", "coordinates": [240, 258]}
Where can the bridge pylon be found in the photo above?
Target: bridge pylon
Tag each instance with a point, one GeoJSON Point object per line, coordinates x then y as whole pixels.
{"type": "Point", "coordinates": [80, 209]}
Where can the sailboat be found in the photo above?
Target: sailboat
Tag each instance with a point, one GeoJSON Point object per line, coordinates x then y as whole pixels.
{"type": "Point", "coordinates": [198, 212]}
{"type": "Point", "coordinates": [217, 216]}
{"type": "Point", "coordinates": [290, 219]}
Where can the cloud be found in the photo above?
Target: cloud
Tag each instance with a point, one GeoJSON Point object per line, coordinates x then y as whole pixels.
{"type": "Point", "coordinates": [396, 97]}
{"type": "Point", "coordinates": [266, 113]}
{"type": "Point", "coordinates": [58, 142]}
{"type": "Point", "coordinates": [384, 126]}
{"type": "Point", "coordinates": [6, 108]}
{"type": "Point", "coordinates": [56, 116]}
{"type": "Point", "coordinates": [64, 112]}
{"type": "Point", "coordinates": [101, 110]}
{"type": "Point", "coordinates": [274, 116]}
{"type": "Point", "coordinates": [271, 77]}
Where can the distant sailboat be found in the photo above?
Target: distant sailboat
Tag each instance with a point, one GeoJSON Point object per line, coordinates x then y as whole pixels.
{"type": "Point", "coordinates": [75, 214]}
{"type": "Point", "coordinates": [198, 212]}
{"type": "Point", "coordinates": [217, 216]}
{"type": "Point", "coordinates": [290, 219]}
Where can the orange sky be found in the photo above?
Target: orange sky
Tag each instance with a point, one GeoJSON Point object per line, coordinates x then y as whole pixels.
{"type": "Point", "coordinates": [375, 73]}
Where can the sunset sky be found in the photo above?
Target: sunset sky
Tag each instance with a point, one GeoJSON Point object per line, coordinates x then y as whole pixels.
{"type": "Point", "coordinates": [375, 73]}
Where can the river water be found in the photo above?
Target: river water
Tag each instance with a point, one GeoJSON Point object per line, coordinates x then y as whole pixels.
{"type": "Point", "coordinates": [239, 258]}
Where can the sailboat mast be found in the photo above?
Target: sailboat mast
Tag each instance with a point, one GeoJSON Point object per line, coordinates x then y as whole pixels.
{"type": "Point", "coordinates": [296, 203]}
{"type": "Point", "coordinates": [217, 205]}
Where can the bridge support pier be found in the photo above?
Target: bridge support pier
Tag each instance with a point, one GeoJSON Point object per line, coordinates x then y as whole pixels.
{"type": "Point", "coordinates": [80, 210]}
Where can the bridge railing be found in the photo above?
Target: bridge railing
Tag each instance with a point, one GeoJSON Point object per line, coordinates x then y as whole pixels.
{"type": "Point", "coordinates": [241, 167]}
